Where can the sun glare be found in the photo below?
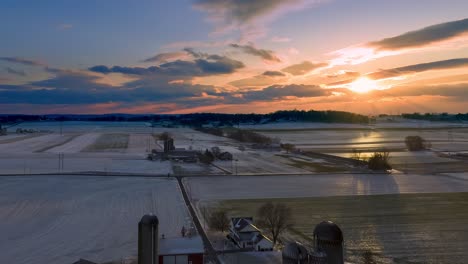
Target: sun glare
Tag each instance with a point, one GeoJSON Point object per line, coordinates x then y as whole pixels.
{"type": "Point", "coordinates": [363, 85]}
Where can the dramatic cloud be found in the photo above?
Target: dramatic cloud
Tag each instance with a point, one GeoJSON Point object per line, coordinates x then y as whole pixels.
{"type": "Point", "coordinates": [15, 72]}
{"type": "Point", "coordinates": [435, 65]}
{"type": "Point", "coordinates": [250, 16]}
{"type": "Point", "coordinates": [412, 41]}
{"type": "Point", "coordinates": [22, 61]}
{"type": "Point", "coordinates": [456, 91]}
{"type": "Point", "coordinates": [168, 56]}
{"type": "Point", "coordinates": [423, 36]}
{"type": "Point", "coordinates": [304, 67]}
{"type": "Point", "coordinates": [203, 65]}
{"type": "Point", "coordinates": [267, 55]}
{"type": "Point", "coordinates": [409, 69]}
{"type": "Point", "coordinates": [273, 73]}
{"type": "Point", "coordinates": [262, 80]}
{"type": "Point", "coordinates": [276, 92]}
{"type": "Point", "coordinates": [69, 87]}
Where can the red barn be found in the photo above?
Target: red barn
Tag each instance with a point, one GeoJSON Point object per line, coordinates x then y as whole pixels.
{"type": "Point", "coordinates": [181, 250]}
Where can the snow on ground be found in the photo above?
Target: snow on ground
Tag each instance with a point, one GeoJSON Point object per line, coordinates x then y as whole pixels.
{"type": "Point", "coordinates": [87, 126]}
{"type": "Point", "coordinates": [14, 137]}
{"type": "Point", "coordinates": [33, 144]}
{"type": "Point", "coordinates": [58, 220]}
{"type": "Point", "coordinates": [406, 157]}
{"type": "Point", "coordinates": [250, 187]}
{"type": "Point", "coordinates": [363, 138]}
{"type": "Point", "coordinates": [140, 144]}
{"type": "Point", "coordinates": [460, 175]}
{"type": "Point", "coordinates": [80, 162]}
{"type": "Point", "coordinates": [77, 144]}
{"type": "Point", "coordinates": [189, 138]}
{"type": "Point", "coordinates": [259, 162]}
{"type": "Point", "coordinates": [402, 123]}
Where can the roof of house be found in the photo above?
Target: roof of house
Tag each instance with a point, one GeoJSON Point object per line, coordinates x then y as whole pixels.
{"type": "Point", "coordinates": [259, 237]}
{"type": "Point", "coordinates": [240, 222]}
{"type": "Point", "coordinates": [181, 245]}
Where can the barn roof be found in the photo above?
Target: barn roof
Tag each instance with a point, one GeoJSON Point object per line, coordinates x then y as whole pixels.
{"type": "Point", "coordinates": [181, 245]}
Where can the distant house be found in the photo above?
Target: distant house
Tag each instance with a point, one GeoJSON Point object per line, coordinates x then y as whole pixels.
{"type": "Point", "coordinates": [181, 250]}
{"type": "Point", "coordinates": [245, 234]}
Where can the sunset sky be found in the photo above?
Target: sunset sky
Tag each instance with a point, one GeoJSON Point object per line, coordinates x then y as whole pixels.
{"type": "Point", "coordinates": [233, 56]}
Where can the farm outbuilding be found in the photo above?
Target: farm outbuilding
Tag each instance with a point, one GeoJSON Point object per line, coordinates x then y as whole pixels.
{"type": "Point", "coordinates": [181, 250]}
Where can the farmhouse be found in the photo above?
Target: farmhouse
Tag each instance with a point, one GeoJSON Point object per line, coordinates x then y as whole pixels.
{"type": "Point", "coordinates": [245, 234]}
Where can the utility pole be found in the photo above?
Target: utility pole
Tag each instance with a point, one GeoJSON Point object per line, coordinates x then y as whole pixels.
{"type": "Point", "coordinates": [60, 161]}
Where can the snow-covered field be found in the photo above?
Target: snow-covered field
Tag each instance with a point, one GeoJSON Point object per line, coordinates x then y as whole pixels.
{"type": "Point", "coordinates": [335, 139]}
{"type": "Point", "coordinates": [77, 144]}
{"type": "Point", "coordinates": [250, 187]}
{"type": "Point", "coordinates": [29, 145]}
{"type": "Point", "coordinates": [58, 220]}
{"type": "Point", "coordinates": [140, 143]}
{"type": "Point", "coordinates": [401, 123]}
{"type": "Point", "coordinates": [80, 162]}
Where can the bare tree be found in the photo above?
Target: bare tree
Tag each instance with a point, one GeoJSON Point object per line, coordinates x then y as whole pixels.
{"type": "Point", "coordinates": [275, 217]}
{"type": "Point", "coordinates": [380, 161]}
{"type": "Point", "coordinates": [416, 143]}
{"type": "Point", "coordinates": [218, 220]}
{"type": "Point", "coordinates": [288, 147]}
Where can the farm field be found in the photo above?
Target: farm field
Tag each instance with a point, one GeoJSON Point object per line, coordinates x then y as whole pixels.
{"type": "Point", "coordinates": [124, 145]}
{"type": "Point", "coordinates": [396, 228]}
{"type": "Point", "coordinates": [58, 220]}
{"type": "Point", "coordinates": [206, 189]}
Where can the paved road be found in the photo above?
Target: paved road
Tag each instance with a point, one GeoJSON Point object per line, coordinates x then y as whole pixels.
{"type": "Point", "coordinates": [212, 254]}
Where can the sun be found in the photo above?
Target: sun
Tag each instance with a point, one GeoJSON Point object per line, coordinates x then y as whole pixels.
{"type": "Point", "coordinates": [363, 85]}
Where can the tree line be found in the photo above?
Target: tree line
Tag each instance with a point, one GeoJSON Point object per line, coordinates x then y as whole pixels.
{"type": "Point", "coordinates": [199, 119]}
{"type": "Point", "coordinates": [437, 117]}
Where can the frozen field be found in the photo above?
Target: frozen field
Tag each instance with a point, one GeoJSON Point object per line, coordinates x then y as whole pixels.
{"type": "Point", "coordinates": [58, 220]}
{"type": "Point", "coordinates": [252, 187]}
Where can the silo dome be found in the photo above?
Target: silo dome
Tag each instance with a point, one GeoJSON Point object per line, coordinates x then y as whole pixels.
{"type": "Point", "coordinates": [149, 220]}
{"type": "Point", "coordinates": [295, 251]}
{"type": "Point", "coordinates": [329, 231]}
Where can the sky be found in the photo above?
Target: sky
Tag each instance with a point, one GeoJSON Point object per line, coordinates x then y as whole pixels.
{"type": "Point", "coordinates": [233, 56]}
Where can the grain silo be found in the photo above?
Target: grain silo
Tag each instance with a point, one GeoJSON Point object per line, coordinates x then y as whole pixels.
{"type": "Point", "coordinates": [148, 240]}
{"type": "Point", "coordinates": [329, 238]}
{"type": "Point", "coordinates": [295, 253]}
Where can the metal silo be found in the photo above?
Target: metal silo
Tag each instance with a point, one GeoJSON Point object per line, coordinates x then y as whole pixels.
{"type": "Point", "coordinates": [328, 237]}
{"type": "Point", "coordinates": [294, 253]}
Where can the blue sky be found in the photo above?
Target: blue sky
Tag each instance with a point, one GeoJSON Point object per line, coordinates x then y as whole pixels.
{"type": "Point", "coordinates": [210, 55]}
